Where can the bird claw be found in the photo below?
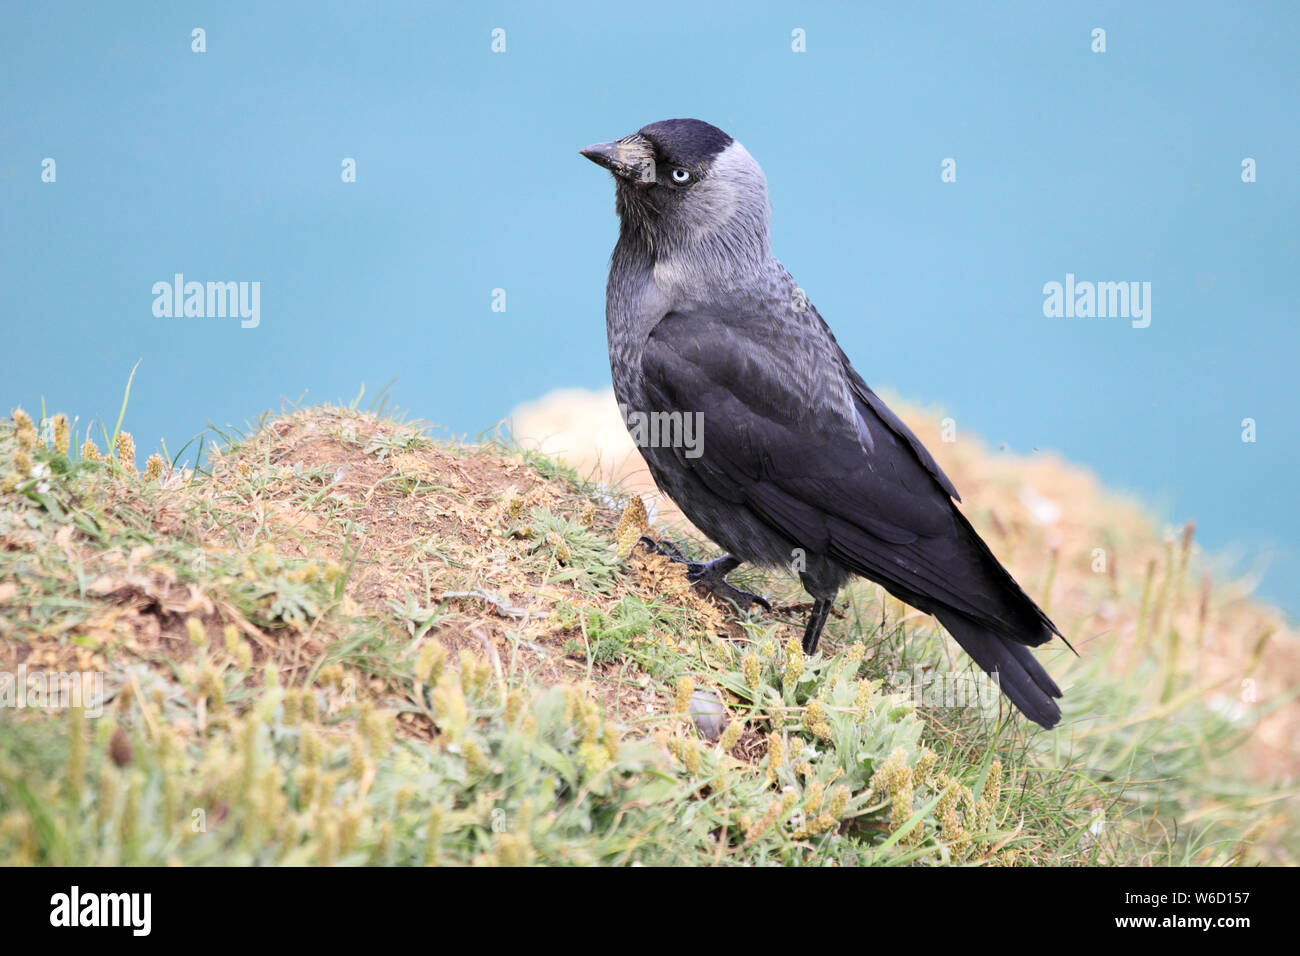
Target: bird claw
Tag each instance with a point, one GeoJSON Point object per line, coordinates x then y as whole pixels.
{"type": "Point", "coordinates": [720, 588]}
{"type": "Point", "coordinates": [710, 576]}
{"type": "Point", "coordinates": [664, 547]}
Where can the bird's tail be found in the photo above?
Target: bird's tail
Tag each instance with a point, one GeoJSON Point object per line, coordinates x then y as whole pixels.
{"type": "Point", "coordinates": [1018, 673]}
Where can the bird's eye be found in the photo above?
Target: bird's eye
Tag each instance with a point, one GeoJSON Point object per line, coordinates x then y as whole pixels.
{"type": "Point", "coordinates": [681, 176]}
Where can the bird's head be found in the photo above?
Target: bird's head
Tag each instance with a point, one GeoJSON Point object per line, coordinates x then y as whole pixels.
{"type": "Point", "coordinates": [686, 187]}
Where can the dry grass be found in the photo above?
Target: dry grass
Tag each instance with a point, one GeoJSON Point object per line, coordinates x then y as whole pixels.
{"type": "Point", "coordinates": [464, 630]}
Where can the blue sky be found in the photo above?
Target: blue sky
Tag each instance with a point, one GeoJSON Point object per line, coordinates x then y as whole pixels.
{"type": "Point", "coordinates": [1115, 166]}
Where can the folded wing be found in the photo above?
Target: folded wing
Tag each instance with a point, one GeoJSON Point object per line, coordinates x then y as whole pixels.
{"type": "Point", "coordinates": [795, 436]}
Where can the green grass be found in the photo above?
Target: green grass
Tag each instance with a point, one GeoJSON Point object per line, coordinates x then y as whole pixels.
{"type": "Point", "coordinates": [413, 652]}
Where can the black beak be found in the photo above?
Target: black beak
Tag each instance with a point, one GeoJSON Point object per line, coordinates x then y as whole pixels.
{"type": "Point", "coordinates": [602, 154]}
{"type": "Point", "coordinates": [631, 158]}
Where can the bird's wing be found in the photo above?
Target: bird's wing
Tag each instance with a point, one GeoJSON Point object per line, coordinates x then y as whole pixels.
{"type": "Point", "coordinates": [863, 395]}
{"type": "Point", "coordinates": [792, 437]}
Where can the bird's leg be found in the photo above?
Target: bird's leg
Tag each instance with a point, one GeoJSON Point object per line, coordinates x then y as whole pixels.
{"type": "Point", "coordinates": [816, 622]}
{"type": "Point", "coordinates": [711, 576]}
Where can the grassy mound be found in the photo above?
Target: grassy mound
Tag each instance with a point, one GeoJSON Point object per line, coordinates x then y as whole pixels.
{"type": "Point", "coordinates": [343, 642]}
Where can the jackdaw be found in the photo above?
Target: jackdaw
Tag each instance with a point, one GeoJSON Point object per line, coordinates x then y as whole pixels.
{"type": "Point", "coordinates": [800, 465]}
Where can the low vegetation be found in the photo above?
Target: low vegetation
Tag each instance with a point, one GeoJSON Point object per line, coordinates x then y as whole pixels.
{"type": "Point", "coordinates": [340, 641]}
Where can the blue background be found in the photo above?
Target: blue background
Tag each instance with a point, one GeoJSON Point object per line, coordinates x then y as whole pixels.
{"type": "Point", "coordinates": [1117, 166]}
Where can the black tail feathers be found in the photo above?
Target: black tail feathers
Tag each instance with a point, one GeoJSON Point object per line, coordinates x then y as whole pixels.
{"type": "Point", "coordinates": [1020, 677]}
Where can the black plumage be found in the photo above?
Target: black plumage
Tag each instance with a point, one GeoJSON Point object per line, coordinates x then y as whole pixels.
{"type": "Point", "coordinates": [801, 465]}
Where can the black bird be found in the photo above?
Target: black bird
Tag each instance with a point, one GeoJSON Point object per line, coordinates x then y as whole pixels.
{"type": "Point", "coordinates": [799, 464]}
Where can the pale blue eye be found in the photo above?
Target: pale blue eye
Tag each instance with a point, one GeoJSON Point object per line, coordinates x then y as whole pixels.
{"type": "Point", "coordinates": [681, 176]}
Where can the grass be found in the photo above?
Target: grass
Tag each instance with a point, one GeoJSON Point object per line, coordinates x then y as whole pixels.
{"type": "Point", "coordinates": [344, 642]}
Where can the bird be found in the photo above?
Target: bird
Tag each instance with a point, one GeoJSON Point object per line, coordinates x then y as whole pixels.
{"type": "Point", "coordinates": [798, 463]}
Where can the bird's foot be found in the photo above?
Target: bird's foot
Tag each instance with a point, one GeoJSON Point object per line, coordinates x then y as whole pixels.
{"type": "Point", "coordinates": [709, 576]}
{"type": "Point", "coordinates": [664, 547]}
